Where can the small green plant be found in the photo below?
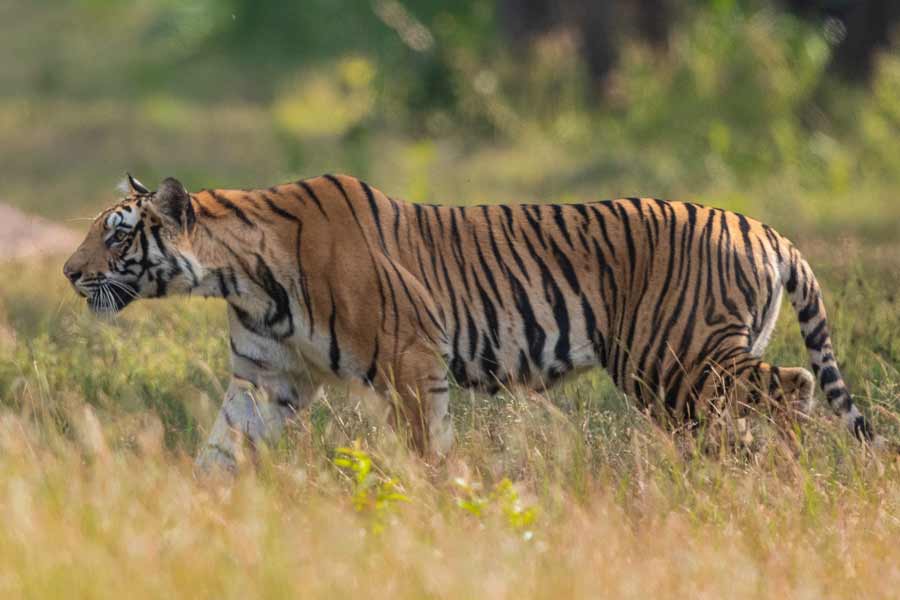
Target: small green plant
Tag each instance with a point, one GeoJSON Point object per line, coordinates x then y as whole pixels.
{"type": "Point", "coordinates": [503, 500]}
{"type": "Point", "coordinates": [373, 493]}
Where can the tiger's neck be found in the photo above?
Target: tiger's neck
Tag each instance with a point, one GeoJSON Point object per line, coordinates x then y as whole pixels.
{"type": "Point", "coordinates": [213, 259]}
{"type": "Point", "coordinates": [225, 254]}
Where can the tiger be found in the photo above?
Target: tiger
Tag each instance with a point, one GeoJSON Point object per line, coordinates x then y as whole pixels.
{"type": "Point", "coordinates": [329, 279]}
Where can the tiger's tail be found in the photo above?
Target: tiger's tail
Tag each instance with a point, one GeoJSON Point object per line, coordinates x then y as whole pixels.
{"type": "Point", "coordinates": [806, 298]}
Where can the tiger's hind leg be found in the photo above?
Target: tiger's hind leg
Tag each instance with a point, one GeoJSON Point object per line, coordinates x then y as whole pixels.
{"type": "Point", "coordinates": [420, 397]}
{"type": "Point", "coordinates": [424, 411]}
{"type": "Point", "coordinates": [412, 370]}
{"type": "Point", "coordinates": [746, 382]}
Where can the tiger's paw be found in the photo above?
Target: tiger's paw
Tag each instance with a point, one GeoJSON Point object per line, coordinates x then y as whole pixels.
{"type": "Point", "coordinates": [799, 391]}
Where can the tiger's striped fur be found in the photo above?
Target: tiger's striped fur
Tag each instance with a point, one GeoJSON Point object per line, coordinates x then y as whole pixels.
{"type": "Point", "coordinates": [329, 278]}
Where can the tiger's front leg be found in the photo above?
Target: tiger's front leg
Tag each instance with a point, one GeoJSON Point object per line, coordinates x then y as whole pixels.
{"type": "Point", "coordinates": [251, 415]}
{"type": "Point", "coordinates": [247, 419]}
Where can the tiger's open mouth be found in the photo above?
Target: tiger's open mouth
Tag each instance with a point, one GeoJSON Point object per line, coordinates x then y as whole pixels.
{"type": "Point", "coordinates": [107, 296]}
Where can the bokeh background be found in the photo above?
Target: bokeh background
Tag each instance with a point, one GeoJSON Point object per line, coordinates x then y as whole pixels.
{"type": "Point", "coordinates": [786, 110]}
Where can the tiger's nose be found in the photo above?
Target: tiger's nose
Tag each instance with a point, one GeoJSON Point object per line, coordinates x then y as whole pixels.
{"type": "Point", "coordinates": [71, 273]}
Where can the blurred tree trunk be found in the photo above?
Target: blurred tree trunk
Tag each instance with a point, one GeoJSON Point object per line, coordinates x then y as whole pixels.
{"type": "Point", "coordinates": [868, 25]}
{"type": "Point", "coordinates": [601, 25]}
{"type": "Point", "coordinates": [654, 20]}
{"type": "Point", "coordinates": [525, 19]}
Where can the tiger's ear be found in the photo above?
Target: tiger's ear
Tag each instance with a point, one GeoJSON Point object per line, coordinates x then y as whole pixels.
{"type": "Point", "coordinates": [174, 202]}
{"type": "Point", "coordinates": [136, 186]}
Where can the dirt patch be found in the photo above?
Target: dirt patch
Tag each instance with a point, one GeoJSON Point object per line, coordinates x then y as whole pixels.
{"type": "Point", "coordinates": [27, 236]}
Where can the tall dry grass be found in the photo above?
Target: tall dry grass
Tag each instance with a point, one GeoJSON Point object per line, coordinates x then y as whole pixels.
{"type": "Point", "coordinates": [572, 495]}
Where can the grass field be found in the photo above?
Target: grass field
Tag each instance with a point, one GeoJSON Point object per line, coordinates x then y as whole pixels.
{"type": "Point", "coordinates": [575, 494]}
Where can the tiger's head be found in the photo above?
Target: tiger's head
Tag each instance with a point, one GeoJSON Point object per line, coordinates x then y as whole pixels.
{"type": "Point", "coordinates": [138, 248]}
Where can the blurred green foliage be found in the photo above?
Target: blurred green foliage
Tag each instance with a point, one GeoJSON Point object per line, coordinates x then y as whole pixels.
{"type": "Point", "coordinates": [431, 101]}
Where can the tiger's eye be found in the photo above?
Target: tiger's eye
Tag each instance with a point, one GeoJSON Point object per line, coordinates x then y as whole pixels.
{"type": "Point", "coordinates": [120, 235]}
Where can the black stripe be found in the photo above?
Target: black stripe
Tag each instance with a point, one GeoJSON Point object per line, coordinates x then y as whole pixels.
{"type": "Point", "coordinates": [557, 301]}
{"type": "Point", "coordinates": [489, 366]}
{"type": "Point", "coordinates": [672, 379]}
{"type": "Point", "coordinates": [280, 311]}
{"type": "Point", "coordinates": [456, 249]}
{"type": "Point", "coordinates": [629, 238]}
{"type": "Point", "coordinates": [657, 314]}
{"type": "Point", "coordinates": [369, 379]}
{"type": "Point", "coordinates": [312, 194]}
{"type": "Point", "coordinates": [566, 266]}
{"type": "Point", "coordinates": [225, 202]}
{"type": "Point", "coordinates": [278, 210]}
{"type": "Point", "coordinates": [204, 212]}
{"type": "Point", "coordinates": [255, 362]}
{"type": "Point", "coordinates": [396, 208]}
{"type": "Point", "coordinates": [828, 375]}
{"type": "Point", "coordinates": [816, 337]}
{"type": "Point", "coordinates": [534, 333]}
{"type": "Point", "coordinates": [809, 311]}
{"type": "Point", "coordinates": [561, 223]}
{"type": "Point", "coordinates": [223, 287]}
{"type": "Point", "coordinates": [508, 231]}
{"type": "Point", "coordinates": [373, 206]}
{"type": "Point", "coordinates": [862, 429]}
{"type": "Point", "coordinates": [334, 180]}
{"type": "Point", "coordinates": [413, 304]}
{"type": "Point", "coordinates": [302, 280]}
{"type": "Point", "coordinates": [601, 221]}
{"type": "Point", "coordinates": [527, 210]}
{"type": "Point", "coordinates": [490, 311]}
{"type": "Point", "coordinates": [488, 273]}
{"type": "Point", "coordinates": [473, 333]}
{"type": "Point", "coordinates": [335, 350]}
{"type": "Point", "coordinates": [688, 331]}
{"type": "Point", "coordinates": [791, 284]}
{"type": "Point", "coordinates": [835, 393]}
{"type": "Point", "coordinates": [590, 329]}
{"type": "Point", "coordinates": [524, 372]}
{"type": "Point", "coordinates": [232, 278]}
{"type": "Point", "coordinates": [744, 226]}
